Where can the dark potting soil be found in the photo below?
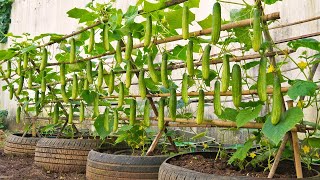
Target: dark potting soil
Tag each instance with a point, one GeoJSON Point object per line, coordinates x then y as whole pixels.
{"type": "Point", "coordinates": [220, 167]}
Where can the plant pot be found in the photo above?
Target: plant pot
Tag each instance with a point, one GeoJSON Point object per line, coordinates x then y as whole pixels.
{"type": "Point", "coordinates": [169, 171]}
{"type": "Point", "coordinates": [64, 155]}
{"type": "Point", "coordinates": [15, 144]}
{"type": "Point", "coordinates": [106, 166]}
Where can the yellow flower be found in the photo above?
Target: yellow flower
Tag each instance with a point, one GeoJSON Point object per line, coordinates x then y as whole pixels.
{"type": "Point", "coordinates": [302, 65]}
{"type": "Point", "coordinates": [317, 155]}
{"type": "Point", "coordinates": [205, 146]}
{"type": "Point", "coordinates": [306, 149]}
{"type": "Point", "coordinates": [271, 68]}
{"type": "Point", "coordinates": [300, 104]}
{"type": "Point", "coordinates": [252, 155]}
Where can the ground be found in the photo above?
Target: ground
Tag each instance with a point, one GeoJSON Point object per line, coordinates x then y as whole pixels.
{"type": "Point", "coordinates": [14, 167]}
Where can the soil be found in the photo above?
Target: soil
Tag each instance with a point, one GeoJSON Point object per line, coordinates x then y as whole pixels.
{"type": "Point", "coordinates": [220, 167]}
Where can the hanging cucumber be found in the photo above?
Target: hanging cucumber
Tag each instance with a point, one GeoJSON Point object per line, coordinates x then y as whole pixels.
{"type": "Point", "coordinates": [105, 37]}
{"type": "Point", "coordinates": [111, 82]}
{"type": "Point", "coordinates": [184, 89]}
{"type": "Point", "coordinates": [148, 31]}
{"type": "Point", "coordinates": [44, 59]}
{"type": "Point", "coordinates": [257, 31]}
{"type": "Point", "coordinates": [146, 114]}
{"type": "Point", "coordinates": [8, 73]}
{"type": "Point", "coordinates": [19, 67]}
{"type": "Point", "coordinates": [225, 78]}
{"type": "Point", "coordinates": [43, 82]}
{"type": "Point", "coordinates": [115, 120]}
{"type": "Point", "coordinates": [20, 85]}
{"type": "Point", "coordinates": [276, 101]}
{"type": "Point", "coordinates": [206, 62]}
{"type": "Point", "coordinates": [89, 72]}
{"type": "Point", "coordinates": [30, 79]}
{"type": "Point", "coordinates": [152, 71]}
{"type": "Point", "coordinates": [96, 106]}
{"type": "Point", "coordinates": [118, 52]}
{"type": "Point", "coordinates": [189, 62]}
{"type": "Point", "coordinates": [36, 100]}
{"type": "Point", "coordinates": [63, 74]}
{"type": "Point", "coordinates": [91, 40]}
{"type": "Point", "coordinates": [142, 84]}
{"type": "Point", "coordinates": [11, 91]}
{"type": "Point", "coordinates": [81, 114]}
{"type": "Point", "coordinates": [128, 74]}
{"type": "Point", "coordinates": [236, 85]}
{"type": "Point", "coordinates": [56, 114]}
{"type": "Point", "coordinates": [80, 86]}
{"type": "Point", "coordinates": [25, 60]}
{"type": "Point", "coordinates": [216, 99]}
{"type": "Point", "coordinates": [106, 119]}
{"type": "Point", "coordinates": [185, 22]}
{"type": "Point", "coordinates": [70, 117]}
{"type": "Point", "coordinates": [173, 104]}
{"type": "Point", "coordinates": [200, 111]}
{"type": "Point", "coordinates": [74, 86]}
{"type": "Point", "coordinates": [129, 46]}
{"type": "Point", "coordinates": [100, 75]}
{"type": "Point", "coordinates": [64, 94]}
{"type": "Point", "coordinates": [216, 23]}
{"type": "Point", "coordinates": [132, 118]}
{"type": "Point", "coordinates": [72, 50]}
{"type": "Point", "coordinates": [161, 114]}
{"type": "Point", "coordinates": [164, 70]}
{"type": "Point", "coordinates": [85, 85]}
{"type": "Point", "coordinates": [121, 95]}
{"type": "Point", "coordinates": [262, 80]}
{"type": "Point", "coordinates": [18, 115]}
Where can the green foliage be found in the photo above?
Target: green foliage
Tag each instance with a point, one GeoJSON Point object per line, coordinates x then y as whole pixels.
{"type": "Point", "coordinates": [305, 43]}
{"type": "Point", "coordinates": [5, 20]}
{"type": "Point", "coordinates": [301, 88]}
{"type": "Point", "coordinates": [248, 114]}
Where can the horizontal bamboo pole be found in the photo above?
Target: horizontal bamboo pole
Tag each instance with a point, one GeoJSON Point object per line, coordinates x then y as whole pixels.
{"type": "Point", "coordinates": [242, 23]}
{"type": "Point", "coordinates": [296, 23]}
{"type": "Point", "coordinates": [297, 37]}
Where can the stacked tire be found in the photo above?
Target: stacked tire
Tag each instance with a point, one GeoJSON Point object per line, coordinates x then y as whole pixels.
{"type": "Point", "coordinates": [15, 144]}
{"type": "Point", "coordinates": [64, 155]}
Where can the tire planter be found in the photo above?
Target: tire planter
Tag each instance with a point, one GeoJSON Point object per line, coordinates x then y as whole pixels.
{"type": "Point", "coordinates": [168, 171]}
{"type": "Point", "coordinates": [63, 155]}
{"type": "Point", "coordinates": [103, 166]}
{"type": "Point", "coordinates": [15, 144]}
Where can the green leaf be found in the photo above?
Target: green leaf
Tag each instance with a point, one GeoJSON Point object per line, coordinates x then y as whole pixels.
{"type": "Point", "coordinates": [288, 120]}
{"type": "Point", "coordinates": [151, 85]}
{"type": "Point", "coordinates": [242, 152]}
{"type": "Point", "coordinates": [88, 96]}
{"type": "Point", "coordinates": [270, 1]}
{"type": "Point", "coordinates": [246, 115]}
{"type": "Point", "coordinates": [148, 6]}
{"type": "Point", "coordinates": [99, 126]}
{"type": "Point", "coordinates": [250, 65]}
{"type": "Point", "coordinates": [306, 43]}
{"type": "Point", "coordinates": [314, 142]}
{"type": "Point", "coordinates": [82, 14]}
{"type": "Point", "coordinates": [302, 88]}
{"type": "Point", "coordinates": [229, 114]}
{"type": "Point", "coordinates": [174, 18]}
{"type": "Point", "coordinates": [131, 14]}
{"type": "Point", "coordinates": [206, 23]}
{"type": "Point", "coordinates": [193, 3]}
{"type": "Point", "coordinates": [178, 53]}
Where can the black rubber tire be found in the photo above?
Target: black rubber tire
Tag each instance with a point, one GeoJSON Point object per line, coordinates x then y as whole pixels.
{"type": "Point", "coordinates": [171, 172]}
{"type": "Point", "coordinates": [102, 166]}
{"type": "Point", "coordinates": [64, 155]}
{"type": "Point", "coordinates": [15, 144]}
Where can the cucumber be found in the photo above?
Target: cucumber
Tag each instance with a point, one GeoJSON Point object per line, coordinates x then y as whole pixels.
{"type": "Point", "coordinates": [36, 100]}
{"type": "Point", "coordinates": [200, 111]}
{"type": "Point", "coordinates": [63, 74]}
{"type": "Point", "coordinates": [25, 60]}
{"type": "Point", "coordinates": [146, 113]}
{"type": "Point", "coordinates": [91, 40]}
{"type": "Point", "coordinates": [43, 81]}
{"type": "Point", "coordinates": [106, 119]}
{"type": "Point", "coordinates": [276, 101]}
{"type": "Point", "coordinates": [129, 45]}
{"type": "Point", "coordinates": [11, 90]}
{"type": "Point", "coordinates": [70, 117]}
{"type": "Point", "coordinates": [236, 85]}
{"type": "Point", "coordinates": [8, 73]}
{"type": "Point", "coordinates": [118, 52]}
{"type": "Point", "coordinates": [81, 114]}
{"type": "Point", "coordinates": [164, 70]}
{"type": "Point", "coordinates": [216, 23]}
{"type": "Point", "coordinates": [184, 89]}
{"type": "Point", "coordinates": [225, 78]}
{"type": "Point", "coordinates": [121, 95]}
{"type": "Point", "coordinates": [262, 79]}
{"type": "Point", "coordinates": [148, 31]}
{"type": "Point", "coordinates": [173, 104]}
{"type": "Point", "coordinates": [100, 75]}
{"type": "Point", "coordinates": [80, 86]}
{"type": "Point", "coordinates": [189, 62]}
{"type": "Point", "coordinates": [185, 22]}
{"type": "Point", "coordinates": [132, 118]}
{"type": "Point", "coordinates": [18, 115]}
{"type": "Point", "coordinates": [85, 85]}
{"type": "Point", "coordinates": [43, 97]}
{"type": "Point", "coordinates": [30, 79]}
{"type": "Point", "coordinates": [72, 57]}
{"type": "Point", "coordinates": [44, 59]}
{"type": "Point", "coordinates": [105, 37]}
{"type": "Point", "coordinates": [128, 74]}
{"type": "Point", "coordinates": [96, 106]}
{"type": "Point", "coordinates": [19, 67]}
{"type": "Point", "coordinates": [56, 114]}
{"type": "Point", "coordinates": [216, 99]}
{"type": "Point", "coordinates": [64, 94]}
{"type": "Point", "coordinates": [142, 84]}
{"type": "Point", "coordinates": [115, 120]}
{"type": "Point", "coordinates": [20, 85]}
{"type": "Point", "coordinates": [74, 86]}
{"type": "Point", "coordinates": [111, 82]}
{"type": "Point", "coordinates": [152, 71]}
{"type": "Point", "coordinates": [206, 62]}
{"type": "Point", "coordinates": [161, 114]}
{"type": "Point", "coordinates": [257, 31]}
{"type": "Point", "coordinates": [89, 72]}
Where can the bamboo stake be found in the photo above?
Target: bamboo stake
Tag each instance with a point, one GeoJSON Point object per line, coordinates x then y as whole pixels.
{"type": "Point", "coordinates": [298, 37]}
{"type": "Point", "coordinates": [295, 23]}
